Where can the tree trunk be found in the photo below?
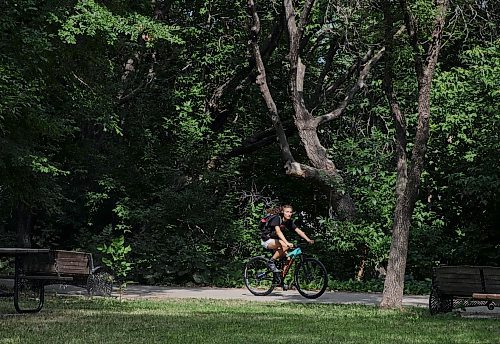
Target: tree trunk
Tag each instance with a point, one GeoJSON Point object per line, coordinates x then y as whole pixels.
{"type": "Point", "coordinates": [24, 219]}
{"type": "Point", "coordinates": [408, 179]}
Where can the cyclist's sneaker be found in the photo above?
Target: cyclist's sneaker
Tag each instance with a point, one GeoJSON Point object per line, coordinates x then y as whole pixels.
{"type": "Point", "coordinates": [277, 279]}
{"type": "Point", "coordinates": [272, 266]}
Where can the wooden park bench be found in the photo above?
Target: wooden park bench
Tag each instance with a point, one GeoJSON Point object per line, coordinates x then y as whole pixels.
{"type": "Point", "coordinates": [36, 268]}
{"type": "Point", "coordinates": [464, 286]}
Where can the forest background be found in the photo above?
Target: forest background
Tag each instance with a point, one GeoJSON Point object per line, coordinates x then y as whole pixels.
{"type": "Point", "coordinates": [139, 123]}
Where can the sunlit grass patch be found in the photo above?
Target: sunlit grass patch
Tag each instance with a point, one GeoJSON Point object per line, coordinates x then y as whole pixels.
{"type": "Point", "coordinates": [82, 320]}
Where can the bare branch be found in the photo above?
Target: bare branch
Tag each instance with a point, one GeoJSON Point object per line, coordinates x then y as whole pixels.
{"type": "Point", "coordinates": [332, 50]}
{"type": "Point", "coordinates": [369, 60]}
{"type": "Point", "coordinates": [304, 17]}
{"type": "Point", "coordinates": [412, 29]}
{"type": "Point", "coordinates": [125, 98]}
{"type": "Point", "coordinates": [258, 140]}
{"type": "Point", "coordinates": [262, 83]}
{"type": "Point", "coordinates": [83, 82]}
{"type": "Point", "coordinates": [360, 83]}
{"type": "Point", "coordinates": [240, 77]}
{"type": "Point", "coordinates": [399, 117]}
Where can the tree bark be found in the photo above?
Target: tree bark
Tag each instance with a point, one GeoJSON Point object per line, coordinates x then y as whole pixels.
{"type": "Point", "coordinates": [408, 174]}
{"type": "Point", "coordinates": [24, 219]}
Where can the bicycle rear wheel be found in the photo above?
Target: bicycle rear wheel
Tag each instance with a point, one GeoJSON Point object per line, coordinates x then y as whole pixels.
{"type": "Point", "coordinates": [258, 278]}
{"type": "Point", "coordinates": [311, 278]}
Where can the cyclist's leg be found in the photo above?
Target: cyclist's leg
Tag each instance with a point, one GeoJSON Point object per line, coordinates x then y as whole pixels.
{"type": "Point", "coordinates": [279, 248]}
{"type": "Point", "coordinates": [274, 244]}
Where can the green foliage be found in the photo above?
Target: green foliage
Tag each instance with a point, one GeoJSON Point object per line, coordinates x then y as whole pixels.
{"type": "Point", "coordinates": [93, 150]}
{"type": "Point", "coordinates": [366, 160]}
{"type": "Point", "coordinates": [42, 165]}
{"type": "Point", "coordinates": [465, 185]}
{"type": "Point", "coordinates": [115, 258]}
{"type": "Point", "coordinates": [92, 18]}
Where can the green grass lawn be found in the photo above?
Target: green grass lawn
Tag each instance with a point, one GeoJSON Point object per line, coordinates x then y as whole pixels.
{"type": "Point", "coordinates": [82, 320]}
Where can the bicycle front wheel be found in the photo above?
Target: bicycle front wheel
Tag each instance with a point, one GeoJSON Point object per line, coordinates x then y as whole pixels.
{"type": "Point", "coordinates": [311, 278]}
{"type": "Point", "coordinates": [258, 278]}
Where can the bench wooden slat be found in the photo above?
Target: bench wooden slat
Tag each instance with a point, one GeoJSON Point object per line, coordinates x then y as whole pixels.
{"type": "Point", "coordinates": [480, 296]}
{"type": "Point", "coordinates": [73, 259]}
{"type": "Point", "coordinates": [72, 267]}
{"type": "Point", "coordinates": [451, 277]}
{"type": "Point", "coordinates": [458, 280]}
{"type": "Point", "coordinates": [72, 262]}
{"type": "Point", "coordinates": [74, 272]}
{"type": "Point", "coordinates": [49, 278]}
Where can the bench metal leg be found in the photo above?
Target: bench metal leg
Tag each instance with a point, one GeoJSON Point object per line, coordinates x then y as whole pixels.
{"type": "Point", "coordinates": [30, 290]}
{"type": "Point", "coordinates": [27, 291]}
{"type": "Point", "coordinates": [492, 304]}
{"type": "Point", "coordinates": [434, 302]}
{"type": "Point", "coordinates": [439, 303]}
{"type": "Point", "coordinates": [100, 282]}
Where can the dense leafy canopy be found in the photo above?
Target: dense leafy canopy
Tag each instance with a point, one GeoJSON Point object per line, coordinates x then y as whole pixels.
{"type": "Point", "coordinates": [128, 118]}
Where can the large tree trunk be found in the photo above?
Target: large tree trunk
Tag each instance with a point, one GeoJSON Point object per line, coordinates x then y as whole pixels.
{"type": "Point", "coordinates": [408, 176]}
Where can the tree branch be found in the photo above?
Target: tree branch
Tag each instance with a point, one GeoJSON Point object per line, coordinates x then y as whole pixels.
{"type": "Point", "coordinates": [304, 17]}
{"type": "Point", "coordinates": [412, 30]}
{"type": "Point", "coordinates": [369, 60]}
{"type": "Point", "coordinates": [360, 83]}
{"type": "Point", "coordinates": [258, 140]}
{"type": "Point", "coordinates": [241, 75]}
{"type": "Point", "coordinates": [262, 83]}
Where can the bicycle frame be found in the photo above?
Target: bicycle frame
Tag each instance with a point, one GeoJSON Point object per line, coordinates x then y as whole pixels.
{"type": "Point", "coordinates": [293, 255]}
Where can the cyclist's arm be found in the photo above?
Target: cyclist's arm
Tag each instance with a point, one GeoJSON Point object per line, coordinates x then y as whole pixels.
{"type": "Point", "coordinates": [303, 235]}
{"type": "Point", "coordinates": [280, 235]}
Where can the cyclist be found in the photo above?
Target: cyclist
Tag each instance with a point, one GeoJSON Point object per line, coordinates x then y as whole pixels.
{"type": "Point", "coordinates": [273, 237]}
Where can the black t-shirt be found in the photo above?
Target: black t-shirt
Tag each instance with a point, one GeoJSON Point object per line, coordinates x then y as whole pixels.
{"type": "Point", "coordinates": [269, 231]}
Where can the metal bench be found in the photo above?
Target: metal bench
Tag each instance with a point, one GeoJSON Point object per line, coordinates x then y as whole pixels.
{"type": "Point", "coordinates": [34, 269]}
{"type": "Point", "coordinates": [464, 286]}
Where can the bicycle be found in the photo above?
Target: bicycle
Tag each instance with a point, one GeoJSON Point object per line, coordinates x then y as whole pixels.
{"type": "Point", "coordinates": [310, 277]}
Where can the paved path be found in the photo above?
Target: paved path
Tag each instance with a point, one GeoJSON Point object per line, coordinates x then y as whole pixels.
{"type": "Point", "coordinates": [156, 292]}
{"type": "Point", "coordinates": [137, 291]}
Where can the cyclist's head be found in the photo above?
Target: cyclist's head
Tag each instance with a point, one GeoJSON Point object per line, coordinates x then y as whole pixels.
{"type": "Point", "coordinates": [287, 212]}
